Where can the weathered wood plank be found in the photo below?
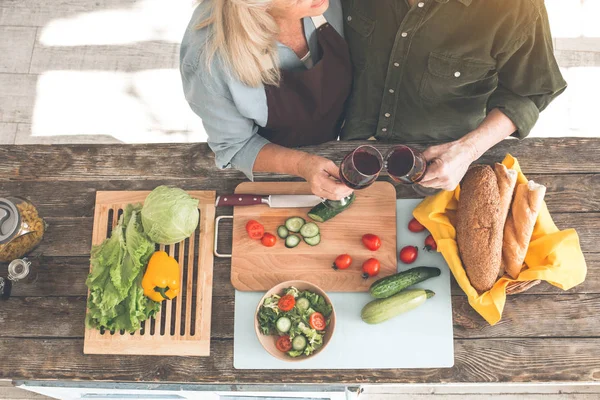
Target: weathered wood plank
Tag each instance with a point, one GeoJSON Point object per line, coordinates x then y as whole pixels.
{"type": "Point", "coordinates": [565, 193]}
{"type": "Point", "coordinates": [486, 360]}
{"type": "Point", "coordinates": [185, 161]}
{"type": "Point", "coordinates": [16, 43]}
{"type": "Point", "coordinates": [16, 99]}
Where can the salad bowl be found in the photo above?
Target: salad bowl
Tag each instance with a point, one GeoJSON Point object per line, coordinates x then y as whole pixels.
{"type": "Point", "coordinates": [269, 342]}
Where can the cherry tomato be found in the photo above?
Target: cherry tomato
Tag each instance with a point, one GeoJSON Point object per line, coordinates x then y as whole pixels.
{"type": "Point", "coordinates": [415, 226]}
{"type": "Point", "coordinates": [286, 303]}
{"type": "Point", "coordinates": [371, 242]}
{"type": "Point", "coordinates": [370, 267]}
{"type": "Point", "coordinates": [409, 254]}
{"type": "Point", "coordinates": [255, 229]}
{"type": "Point", "coordinates": [317, 321]}
{"type": "Point", "coordinates": [430, 243]}
{"type": "Point", "coordinates": [342, 262]}
{"type": "Point", "coordinates": [268, 240]}
{"type": "Point", "coordinates": [284, 344]}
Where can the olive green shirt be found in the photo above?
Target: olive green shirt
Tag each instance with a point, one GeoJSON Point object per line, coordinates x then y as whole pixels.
{"type": "Point", "coordinates": [432, 72]}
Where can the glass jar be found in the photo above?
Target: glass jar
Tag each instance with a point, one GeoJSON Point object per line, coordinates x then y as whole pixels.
{"type": "Point", "coordinates": [21, 228]}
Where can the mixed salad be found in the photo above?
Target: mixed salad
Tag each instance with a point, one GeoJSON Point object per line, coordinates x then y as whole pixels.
{"type": "Point", "coordinates": [299, 318]}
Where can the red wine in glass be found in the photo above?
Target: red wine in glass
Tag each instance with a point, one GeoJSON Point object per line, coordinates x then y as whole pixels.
{"type": "Point", "coordinates": [407, 165]}
{"type": "Point", "coordinates": [361, 167]}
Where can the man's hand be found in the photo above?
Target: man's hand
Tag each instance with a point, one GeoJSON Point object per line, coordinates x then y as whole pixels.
{"type": "Point", "coordinates": [447, 164]}
{"type": "Point", "coordinates": [323, 176]}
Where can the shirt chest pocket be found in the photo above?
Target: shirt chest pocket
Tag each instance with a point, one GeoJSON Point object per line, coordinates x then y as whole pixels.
{"type": "Point", "coordinates": [452, 78]}
{"type": "Point", "coordinates": [359, 30]}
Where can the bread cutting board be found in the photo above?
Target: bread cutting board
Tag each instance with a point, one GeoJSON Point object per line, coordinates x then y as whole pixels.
{"type": "Point", "coordinates": [258, 268]}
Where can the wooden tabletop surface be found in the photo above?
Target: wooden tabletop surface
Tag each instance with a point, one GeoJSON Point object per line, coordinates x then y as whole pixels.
{"type": "Point", "coordinates": [545, 335]}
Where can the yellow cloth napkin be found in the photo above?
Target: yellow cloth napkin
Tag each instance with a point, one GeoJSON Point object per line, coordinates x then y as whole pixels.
{"type": "Point", "coordinates": [553, 255]}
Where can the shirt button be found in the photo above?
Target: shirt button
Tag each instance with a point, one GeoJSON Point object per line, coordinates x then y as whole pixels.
{"type": "Point", "coordinates": [384, 130]}
{"type": "Point", "coordinates": [396, 65]}
{"type": "Point", "coordinates": [404, 34]}
{"type": "Point", "coordinates": [421, 4]}
{"type": "Point", "coordinates": [387, 115]}
{"type": "Point", "coordinates": [457, 74]}
{"type": "Point", "coordinates": [391, 90]}
{"type": "Point", "coordinates": [349, 18]}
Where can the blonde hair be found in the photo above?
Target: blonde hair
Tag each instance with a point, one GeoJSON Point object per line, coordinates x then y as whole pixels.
{"type": "Point", "coordinates": [244, 36]}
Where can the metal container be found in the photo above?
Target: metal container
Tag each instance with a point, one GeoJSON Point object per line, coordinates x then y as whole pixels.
{"type": "Point", "coordinates": [21, 228]}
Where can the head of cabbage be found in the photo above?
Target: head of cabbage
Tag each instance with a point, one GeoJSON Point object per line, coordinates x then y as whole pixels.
{"type": "Point", "coordinates": [169, 215]}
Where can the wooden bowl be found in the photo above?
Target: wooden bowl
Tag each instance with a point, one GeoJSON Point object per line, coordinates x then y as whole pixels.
{"type": "Point", "coordinates": [268, 342]}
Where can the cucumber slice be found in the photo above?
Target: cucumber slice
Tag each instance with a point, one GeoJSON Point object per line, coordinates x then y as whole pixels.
{"type": "Point", "coordinates": [294, 224]}
{"type": "Point", "coordinates": [282, 232]}
{"type": "Point", "coordinates": [283, 324]}
{"type": "Point", "coordinates": [292, 241]}
{"type": "Point", "coordinates": [303, 304]}
{"type": "Point", "coordinates": [313, 241]}
{"type": "Point", "coordinates": [309, 230]}
{"type": "Point", "coordinates": [299, 343]}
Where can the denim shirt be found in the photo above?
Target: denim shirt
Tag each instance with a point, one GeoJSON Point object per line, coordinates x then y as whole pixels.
{"type": "Point", "coordinates": [231, 111]}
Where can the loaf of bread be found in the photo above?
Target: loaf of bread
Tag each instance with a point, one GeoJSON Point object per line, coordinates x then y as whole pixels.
{"type": "Point", "coordinates": [519, 226]}
{"type": "Point", "coordinates": [507, 180]}
{"type": "Point", "coordinates": [479, 227]}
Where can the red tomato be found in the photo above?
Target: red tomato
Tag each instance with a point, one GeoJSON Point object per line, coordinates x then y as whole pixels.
{"type": "Point", "coordinates": [286, 303]}
{"type": "Point", "coordinates": [430, 243]}
{"type": "Point", "coordinates": [317, 321]}
{"type": "Point", "coordinates": [415, 226]}
{"type": "Point", "coordinates": [255, 229]}
{"type": "Point", "coordinates": [409, 254]}
{"type": "Point", "coordinates": [268, 240]}
{"type": "Point", "coordinates": [342, 262]}
{"type": "Point", "coordinates": [284, 343]}
{"type": "Point", "coordinates": [371, 242]}
{"type": "Point", "coordinates": [370, 267]}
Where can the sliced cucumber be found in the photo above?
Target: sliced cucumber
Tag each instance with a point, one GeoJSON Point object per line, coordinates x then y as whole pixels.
{"type": "Point", "coordinates": [309, 230]}
{"type": "Point", "coordinates": [282, 231]}
{"type": "Point", "coordinates": [322, 212]}
{"type": "Point", "coordinates": [294, 224]}
{"type": "Point", "coordinates": [313, 241]}
{"type": "Point", "coordinates": [299, 343]}
{"type": "Point", "coordinates": [283, 324]}
{"type": "Point", "coordinates": [292, 241]}
{"type": "Point", "coordinates": [303, 304]}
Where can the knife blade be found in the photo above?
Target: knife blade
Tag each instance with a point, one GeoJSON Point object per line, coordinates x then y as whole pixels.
{"type": "Point", "coordinates": [274, 200]}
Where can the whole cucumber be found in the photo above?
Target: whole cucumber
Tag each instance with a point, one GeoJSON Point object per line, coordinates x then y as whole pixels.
{"type": "Point", "coordinates": [381, 310]}
{"type": "Point", "coordinates": [321, 212]}
{"type": "Point", "coordinates": [390, 285]}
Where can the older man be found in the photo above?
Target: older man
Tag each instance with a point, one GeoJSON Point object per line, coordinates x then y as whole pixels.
{"type": "Point", "coordinates": [466, 72]}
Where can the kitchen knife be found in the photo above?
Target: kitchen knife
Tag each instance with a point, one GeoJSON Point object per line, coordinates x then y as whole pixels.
{"type": "Point", "coordinates": [274, 200]}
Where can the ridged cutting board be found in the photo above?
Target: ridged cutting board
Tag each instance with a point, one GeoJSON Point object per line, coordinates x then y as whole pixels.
{"type": "Point", "coordinates": [258, 268]}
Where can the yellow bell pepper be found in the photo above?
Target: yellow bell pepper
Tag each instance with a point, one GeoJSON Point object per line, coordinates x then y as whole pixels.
{"type": "Point", "coordinates": [162, 278]}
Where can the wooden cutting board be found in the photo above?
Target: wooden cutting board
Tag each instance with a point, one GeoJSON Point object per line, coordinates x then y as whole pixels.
{"type": "Point", "coordinates": [258, 268]}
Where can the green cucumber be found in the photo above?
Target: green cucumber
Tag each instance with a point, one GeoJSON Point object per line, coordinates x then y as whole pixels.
{"type": "Point", "coordinates": [282, 232]}
{"type": "Point", "coordinates": [292, 241]}
{"type": "Point", "coordinates": [390, 285]}
{"type": "Point", "coordinates": [299, 343]}
{"type": "Point", "coordinates": [283, 324]}
{"type": "Point", "coordinates": [321, 212]}
{"type": "Point", "coordinates": [313, 241]}
{"type": "Point", "coordinates": [309, 230]}
{"type": "Point", "coordinates": [381, 310]}
{"type": "Point", "coordinates": [294, 224]}
{"type": "Point", "coordinates": [303, 304]}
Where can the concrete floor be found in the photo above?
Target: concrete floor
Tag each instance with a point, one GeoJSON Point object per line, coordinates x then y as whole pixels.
{"type": "Point", "coordinates": [103, 71]}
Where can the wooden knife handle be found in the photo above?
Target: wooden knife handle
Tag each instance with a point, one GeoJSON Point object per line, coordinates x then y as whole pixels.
{"type": "Point", "coordinates": [240, 200]}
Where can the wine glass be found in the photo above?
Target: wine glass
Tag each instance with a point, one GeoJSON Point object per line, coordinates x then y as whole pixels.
{"type": "Point", "coordinates": [407, 165]}
{"type": "Point", "coordinates": [358, 170]}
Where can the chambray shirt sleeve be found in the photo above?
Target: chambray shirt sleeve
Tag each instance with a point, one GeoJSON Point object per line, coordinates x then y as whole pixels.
{"type": "Point", "coordinates": [232, 136]}
{"type": "Point", "coordinates": [528, 77]}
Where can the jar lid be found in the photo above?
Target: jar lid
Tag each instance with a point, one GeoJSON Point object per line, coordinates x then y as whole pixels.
{"type": "Point", "coordinates": [9, 220]}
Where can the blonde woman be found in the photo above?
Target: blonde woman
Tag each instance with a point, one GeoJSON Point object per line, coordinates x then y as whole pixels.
{"type": "Point", "coordinates": [265, 76]}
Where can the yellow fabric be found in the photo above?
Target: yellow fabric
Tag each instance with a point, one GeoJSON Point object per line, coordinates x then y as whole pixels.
{"type": "Point", "coordinates": [554, 256]}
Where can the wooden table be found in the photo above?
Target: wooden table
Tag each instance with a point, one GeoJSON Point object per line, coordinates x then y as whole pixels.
{"type": "Point", "coordinates": [546, 334]}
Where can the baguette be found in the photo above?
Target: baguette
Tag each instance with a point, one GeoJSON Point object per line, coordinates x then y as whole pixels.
{"type": "Point", "coordinates": [519, 225]}
{"type": "Point", "coordinates": [479, 227]}
{"type": "Point", "coordinates": [507, 180]}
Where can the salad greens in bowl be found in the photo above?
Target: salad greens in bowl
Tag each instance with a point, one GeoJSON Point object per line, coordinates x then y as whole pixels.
{"type": "Point", "coordinates": [294, 320]}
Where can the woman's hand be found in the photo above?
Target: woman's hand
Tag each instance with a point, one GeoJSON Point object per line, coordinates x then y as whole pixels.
{"type": "Point", "coordinates": [323, 176]}
{"type": "Point", "coordinates": [447, 164]}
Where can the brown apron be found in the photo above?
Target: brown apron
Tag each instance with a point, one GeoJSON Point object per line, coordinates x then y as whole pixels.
{"type": "Point", "coordinates": [307, 107]}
